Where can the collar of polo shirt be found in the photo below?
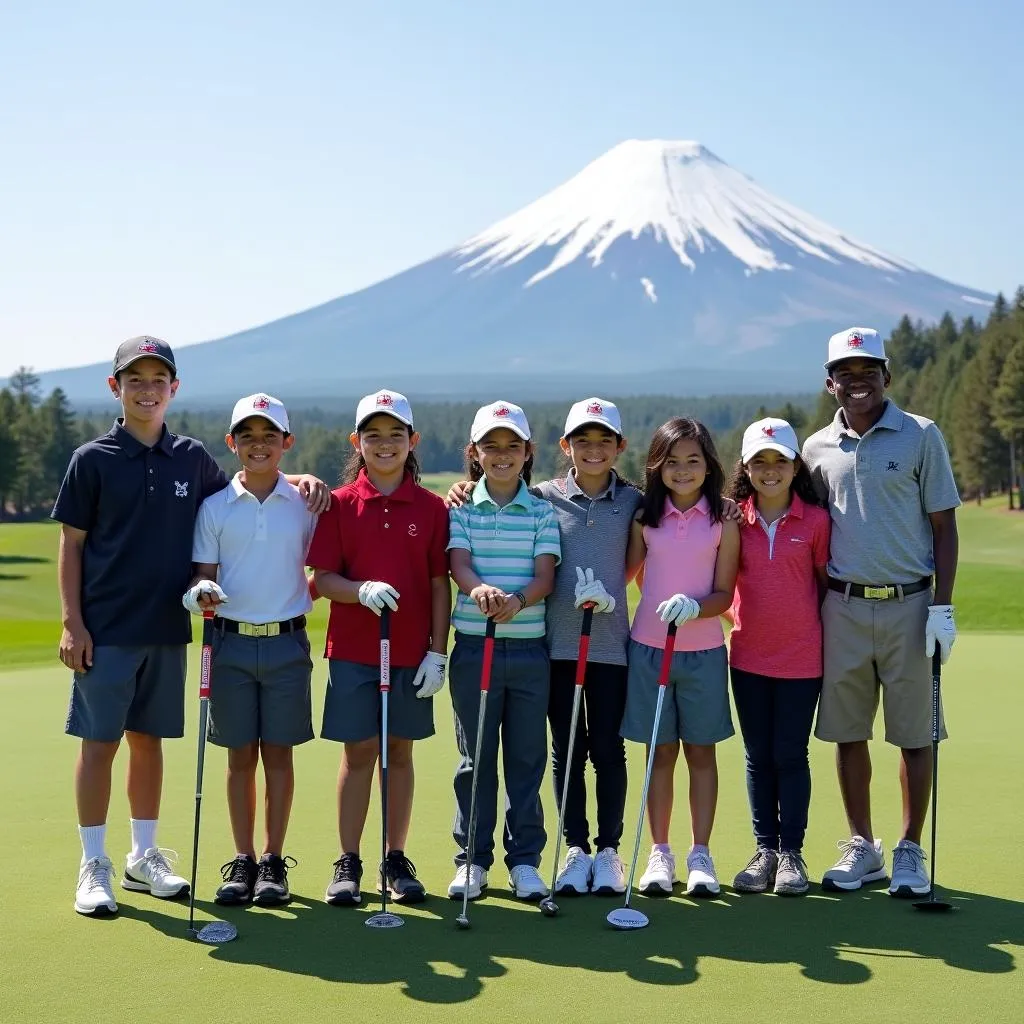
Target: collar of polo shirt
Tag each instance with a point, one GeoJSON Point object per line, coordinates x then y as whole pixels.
{"type": "Point", "coordinates": [702, 507]}
{"type": "Point", "coordinates": [405, 491]}
{"type": "Point", "coordinates": [281, 488]}
{"type": "Point", "coordinates": [749, 508]}
{"type": "Point", "coordinates": [482, 496]}
{"type": "Point", "coordinates": [132, 446]}
{"type": "Point", "coordinates": [891, 419]}
{"type": "Point", "coordinates": [573, 489]}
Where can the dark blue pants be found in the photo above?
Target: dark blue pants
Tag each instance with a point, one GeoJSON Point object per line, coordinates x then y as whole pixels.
{"type": "Point", "coordinates": [597, 737]}
{"type": "Point", "coordinates": [516, 715]}
{"type": "Point", "coordinates": [775, 718]}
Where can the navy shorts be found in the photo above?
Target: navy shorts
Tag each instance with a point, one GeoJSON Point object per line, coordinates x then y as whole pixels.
{"type": "Point", "coordinates": [129, 689]}
{"type": "Point", "coordinates": [352, 704]}
{"type": "Point", "coordinates": [259, 689]}
{"type": "Point", "coordinates": [696, 706]}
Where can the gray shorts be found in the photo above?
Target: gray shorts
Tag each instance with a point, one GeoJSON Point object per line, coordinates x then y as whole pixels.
{"type": "Point", "coordinates": [259, 689]}
{"type": "Point", "coordinates": [696, 706]}
{"type": "Point", "coordinates": [352, 704]}
{"type": "Point", "coordinates": [129, 689]}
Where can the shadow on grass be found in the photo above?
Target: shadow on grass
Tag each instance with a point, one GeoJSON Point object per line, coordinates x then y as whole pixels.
{"type": "Point", "coordinates": [23, 560]}
{"type": "Point", "coordinates": [9, 576]}
{"type": "Point", "coordinates": [834, 940]}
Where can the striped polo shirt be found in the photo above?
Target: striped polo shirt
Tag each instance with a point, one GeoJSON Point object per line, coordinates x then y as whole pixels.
{"type": "Point", "coordinates": [503, 542]}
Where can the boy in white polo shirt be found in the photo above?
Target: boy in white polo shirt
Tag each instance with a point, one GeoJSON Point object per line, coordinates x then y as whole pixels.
{"type": "Point", "coordinates": [892, 561]}
{"type": "Point", "coordinates": [252, 537]}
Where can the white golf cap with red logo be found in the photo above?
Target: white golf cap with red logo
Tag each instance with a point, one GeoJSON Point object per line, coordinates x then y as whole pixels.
{"type": "Point", "coordinates": [769, 434]}
{"type": "Point", "coordinates": [496, 415]}
{"type": "Point", "coordinates": [856, 343]}
{"type": "Point", "coordinates": [389, 403]}
{"type": "Point", "coordinates": [267, 406]}
{"type": "Point", "coordinates": [596, 411]}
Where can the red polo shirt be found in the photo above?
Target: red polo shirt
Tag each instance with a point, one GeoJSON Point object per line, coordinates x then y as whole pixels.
{"type": "Point", "coordinates": [776, 609]}
{"type": "Point", "coordinates": [398, 538]}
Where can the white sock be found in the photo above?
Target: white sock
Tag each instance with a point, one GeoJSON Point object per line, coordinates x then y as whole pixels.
{"type": "Point", "coordinates": [93, 841]}
{"type": "Point", "coordinates": [143, 836]}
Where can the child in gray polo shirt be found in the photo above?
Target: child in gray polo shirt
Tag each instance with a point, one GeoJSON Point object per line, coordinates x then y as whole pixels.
{"type": "Point", "coordinates": [892, 562]}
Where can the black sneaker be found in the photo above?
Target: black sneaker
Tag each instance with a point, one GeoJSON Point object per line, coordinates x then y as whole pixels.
{"type": "Point", "coordinates": [344, 890]}
{"type": "Point", "coordinates": [239, 878]}
{"type": "Point", "coordinates": [399, 873]}
{"type": "Point", "coordinates": [271, 889]}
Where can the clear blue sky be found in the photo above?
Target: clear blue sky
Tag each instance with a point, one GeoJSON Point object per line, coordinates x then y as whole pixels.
{"type": "Point", "coordinates": [191, 169]}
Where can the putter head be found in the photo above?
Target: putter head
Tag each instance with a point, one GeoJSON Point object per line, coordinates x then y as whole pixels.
{"type": "Point", "coordinates": [548, 907]}
{"type": "Point", "coordinates": [384, 920]}
{"type": "Point", "coordinates": [214, 933]}
{"type": "Point", "coordinates": [462, 921]}
{"type": "Point", "coordinates": [627, 919]}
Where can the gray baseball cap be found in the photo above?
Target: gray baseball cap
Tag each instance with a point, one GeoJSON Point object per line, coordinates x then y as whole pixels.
{"type": "Point", "coordinates": [143, 347]}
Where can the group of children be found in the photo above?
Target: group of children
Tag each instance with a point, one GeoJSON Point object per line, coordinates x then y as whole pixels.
{"type": "Point", "coordinates": [823, 563]}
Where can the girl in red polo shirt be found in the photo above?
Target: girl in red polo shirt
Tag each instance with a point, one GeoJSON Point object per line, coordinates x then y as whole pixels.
{"type": "Point", "coordinates": [775, 648]}
{"type": "Point", "coordinates": [383, 542]}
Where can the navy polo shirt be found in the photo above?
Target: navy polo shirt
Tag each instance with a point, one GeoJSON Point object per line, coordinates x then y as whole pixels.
{"type": "Point", "coordinates": [138, 507]}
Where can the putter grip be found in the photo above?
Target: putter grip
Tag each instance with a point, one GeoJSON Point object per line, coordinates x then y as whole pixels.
{"type": "Point", "coordinates": [588, 619]}
{"type": "Point", "coordinates": [485, 668]}
{"type": "Point", "coordinates": [206, 658]}
{"type": "Point", "coordinates": [666, 657]}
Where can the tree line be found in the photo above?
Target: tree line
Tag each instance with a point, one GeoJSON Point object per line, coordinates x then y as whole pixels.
{"type": "Point", "coordinates": [967, 376]}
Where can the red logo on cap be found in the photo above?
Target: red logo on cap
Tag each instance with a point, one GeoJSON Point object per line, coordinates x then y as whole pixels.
{"type": "Point", "coordinates": [767, 431]}
{"type": "Point", "coordinates": [385, 400]}
{"type": "Point", "coordinates": [595, 409]}
{"type": "Point", "coordinates": [261, 402]}
{"type": "Point", "coordinates": [855, 341]}
{"type": "Point", "coordinates": [148, 346]}
{"type": "Point", "coordinates": [503, 410]}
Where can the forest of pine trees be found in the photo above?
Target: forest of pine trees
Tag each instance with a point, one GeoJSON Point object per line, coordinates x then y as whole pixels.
{"type": "Point", "coordinates": [968, 377]}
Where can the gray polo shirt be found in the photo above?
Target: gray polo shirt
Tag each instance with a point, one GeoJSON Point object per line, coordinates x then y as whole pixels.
{"type": "Point", "coordinates": [880, 489]}
{"type": "Point", "coordinates": [595, 534]}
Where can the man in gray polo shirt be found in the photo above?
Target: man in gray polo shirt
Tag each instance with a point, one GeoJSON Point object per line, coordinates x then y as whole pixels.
{"type": "Point", "coordinates": [892, 498]}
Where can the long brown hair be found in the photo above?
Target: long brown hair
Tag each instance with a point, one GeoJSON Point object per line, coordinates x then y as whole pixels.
{"type": "Point", "coordinates": [350, 471]}
{"type": "Point", "coordinates": [740, 488]}
{"type": "Point", "coordinates": [680, 428]}
{"type": "Point", "coordinates": [475, 471]}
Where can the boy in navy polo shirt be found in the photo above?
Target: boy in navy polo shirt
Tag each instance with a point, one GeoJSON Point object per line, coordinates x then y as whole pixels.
{"type": "Point", "coordinates": [252, 537]}
{"type": "Point", "coordinates": [127, 506]}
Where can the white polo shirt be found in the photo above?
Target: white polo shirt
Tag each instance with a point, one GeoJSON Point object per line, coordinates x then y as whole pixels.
{"type": "Point", "coordinates": [260, 548]}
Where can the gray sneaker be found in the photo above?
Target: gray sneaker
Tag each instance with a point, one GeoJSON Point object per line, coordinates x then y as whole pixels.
{"type": "Point", "coordinates": [909, 878]}
{"type": "Point", "coordinates": [860, 862]}
{"type": "Point", "coordinates": [759, 874]}
{"type": "Point", "coordinates": [791, 878]}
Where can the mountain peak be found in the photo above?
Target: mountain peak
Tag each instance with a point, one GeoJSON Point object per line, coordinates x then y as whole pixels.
{"type": "Point", "coordinates": [679, 192]}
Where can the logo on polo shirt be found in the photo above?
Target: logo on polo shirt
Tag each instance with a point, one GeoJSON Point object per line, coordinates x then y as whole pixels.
{"type": "Point", "coordinates": [503, 410]}
{"type": "Point", "coordinates": [180, 489]}
{"type": "Point", "coordinates": [148, 346]}
{"type": "Point", "coordinates": [855, 340]}
{"type": "Point", "coordinates": [413, 529]}
{"type": "Point", "coordinates": [261, 402]}
{"type": "Point", "coordinates": [595, 409]}
{"type": "Point", "coordinates": [893, 467]}
{"type": "Point", "coordinates": [385, 400]}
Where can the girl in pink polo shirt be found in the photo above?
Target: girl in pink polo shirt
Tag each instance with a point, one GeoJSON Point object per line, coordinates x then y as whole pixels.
{"type": "Point", "coordinates": [776, 646]}
{"type": "Point", "coordinates": [690, 554]}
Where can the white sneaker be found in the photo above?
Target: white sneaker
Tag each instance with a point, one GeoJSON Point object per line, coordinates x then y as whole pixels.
{"type": "Point", "coordinates": [95, 892]}
{"type": "Point", "coordinates": [152, 873]}
{"type": "Point", "coordinates": [574, 878]}
{"type": "Point", "coordinates": [909, 877]}
{"type": "Point", "coordinates": [609, 874]}
{"type": "Point", "coordinates": [660, 875]}
{"type": "Point", "coordinates": [526, 883]}
{"type": "Point", "coordinates": [860, 862]}
{"type": "Point", "coordinates": [701, 879]}
{"type": "Point", "coordinates": [477, 882]}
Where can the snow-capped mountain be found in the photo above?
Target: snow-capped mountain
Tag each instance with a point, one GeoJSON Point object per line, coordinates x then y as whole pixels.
{"type": "Point", "coordinates": [657, 267]}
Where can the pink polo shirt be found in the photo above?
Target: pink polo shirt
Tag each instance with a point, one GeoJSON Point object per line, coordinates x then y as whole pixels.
{"type": "Point", "coordinates": [776, 609]}
{"type": "Point", "coordinates": [681, 554]}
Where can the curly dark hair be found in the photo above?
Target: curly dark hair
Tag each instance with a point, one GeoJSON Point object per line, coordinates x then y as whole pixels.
{"type": "Point", "coordinates": [740, 488]}
{"type": "Point", "coordinates": [356, 462]}
{"type": "Point", "coordinates": [680, 428]}
{"type": "Point", "coordinates": [475, 471]}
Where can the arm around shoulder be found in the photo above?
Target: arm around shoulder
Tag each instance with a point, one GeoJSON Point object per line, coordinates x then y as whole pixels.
{"type": "Point", "coordinates": [726, 567]}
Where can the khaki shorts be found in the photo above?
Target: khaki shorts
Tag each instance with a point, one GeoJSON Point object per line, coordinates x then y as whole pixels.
{"type": "Point", "coordinates": [871, 646]}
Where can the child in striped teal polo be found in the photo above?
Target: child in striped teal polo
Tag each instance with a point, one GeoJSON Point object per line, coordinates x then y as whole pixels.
{"type": "Point", "coordinates": [504, 547]}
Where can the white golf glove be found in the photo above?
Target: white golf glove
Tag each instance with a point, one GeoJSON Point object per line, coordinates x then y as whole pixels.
{"type": "Point", "coordinates": [430, 675]}
{"type": "Point", "coordinates": [590, 590]}
{"type": "Point", "coordinates": [678, 609]}
{"type": "Point", "coordinates": [941, 630]}
{"type": "Point", "coordinates": [375, 595]}
{"type": "Point", "coordinates": [204, 588]}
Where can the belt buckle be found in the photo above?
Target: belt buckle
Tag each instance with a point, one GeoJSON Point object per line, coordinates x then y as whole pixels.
{"type": "Point", "coordinates": [259, 629]}
{"type": "Point", "coordinates": [879, 593]}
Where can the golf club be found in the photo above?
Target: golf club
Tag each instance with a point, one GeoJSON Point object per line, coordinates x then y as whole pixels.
{"type": "Point", "coordinates": [626, 918]}
{"type": "Point", "coordinates": [215, 932]}
{"type": "Point", "coordinates": [931, 902]}
{"type": "Point", "coordinates": [485, 684]}
{"type": "Point", "coordinates": [548, 906]}
{"type": "Point", "coordinates": [383, 918]}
